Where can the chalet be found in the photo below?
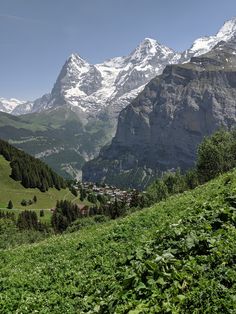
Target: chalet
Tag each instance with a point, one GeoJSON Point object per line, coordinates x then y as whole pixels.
{"type": "Point", "coordinates": [84, 209]}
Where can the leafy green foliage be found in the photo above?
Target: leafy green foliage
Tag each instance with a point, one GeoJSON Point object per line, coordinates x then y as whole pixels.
{"type": "Point", "coordinates": [176, 257]}
{"type": "Point", "coordinates": [11, 236]}
{"type": "Point", "coordinates": [102, 199]}
{"type": "Point", "coordinates": [171, 183]}
{"type": "Point", "coordinates": [216, 154]}
{"type": "Point", "coordinates": [86, 222]}
{"type": "Point", "coordinates": [83, 194]}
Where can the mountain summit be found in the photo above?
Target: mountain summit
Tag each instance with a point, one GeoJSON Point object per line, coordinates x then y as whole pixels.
{"type": "Point", "coordinates": [161, 129]}
{"type": "Point", "coordinates": [204, 44]}
{"type": "Point", "coordinates": [92, 88]}
{"type": "Point", "coordinates": [79, 115]}
{"type": "Point", "coordinates": [113, 84]}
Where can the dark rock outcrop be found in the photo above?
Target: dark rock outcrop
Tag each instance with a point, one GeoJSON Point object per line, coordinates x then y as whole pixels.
{"type": "Point", "coordinates": [162, 127]}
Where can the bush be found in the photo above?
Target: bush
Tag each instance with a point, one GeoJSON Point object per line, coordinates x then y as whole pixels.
{"type": "Point", "coordinates": [24, 203]}
{"type": "Point", "coordinates": [11, 236]}
{"type": "Point", "coordinates": [157, 191]}
{"type": "Point", "coordinates": [102, 199]}
{"type": "Point", "coordinates": [216, 155]}
{"type": "Point", "coordinates": [191, 179]}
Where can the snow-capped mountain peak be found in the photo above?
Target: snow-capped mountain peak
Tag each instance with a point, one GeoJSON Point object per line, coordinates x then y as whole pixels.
{"type": "Point", "coordinates": [204, 44]}
{"type": "Point", "coordinates": [228, 30]}
{"type": "Point", "coordinates": [117, 81]}
{"type": "Point", "coordinates": [76, 64]}
{"type": "Point", "coordinates": [77, 60]}
{"type": "Point", "coordinates": [149, 48]}
{"type": "Point", "coordinates": [94, 87]}
{"type": "Point", "coordinates": [8, 105]}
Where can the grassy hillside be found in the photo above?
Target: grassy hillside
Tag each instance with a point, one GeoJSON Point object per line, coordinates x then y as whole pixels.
{"type": "Point", "coordinates": [13, 190]}
{"type": "Point", "coordinates": [176, 257]}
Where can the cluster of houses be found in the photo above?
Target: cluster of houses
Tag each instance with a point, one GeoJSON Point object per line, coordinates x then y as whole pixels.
{"type": "Point", "coordinates": [111, 192]}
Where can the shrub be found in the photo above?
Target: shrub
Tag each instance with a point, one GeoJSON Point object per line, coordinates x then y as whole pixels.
{"type": "Point", "coordinates": [216, 155]}
{"type": "Point", "coordinates": [24, 203]}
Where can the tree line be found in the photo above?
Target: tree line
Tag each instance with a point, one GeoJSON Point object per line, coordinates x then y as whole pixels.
{"type": "Point", "coordinates": [215, 155]}
{"type": "Point", "coordinates": [31, 172]}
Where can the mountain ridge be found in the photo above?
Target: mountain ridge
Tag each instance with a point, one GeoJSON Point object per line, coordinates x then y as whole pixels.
{"type": "Point", "coordinates": [95, 95]}
{"type": "Point", "coordinates": [116, 81]}
{"type": "Point", "coordinates": [161, 128]}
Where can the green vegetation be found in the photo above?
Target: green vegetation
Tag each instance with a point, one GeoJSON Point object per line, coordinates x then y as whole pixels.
{"type": "Point", "coordinates": [42, 132]}
{"type": "Point", "coordinates": [176, 257]}
{"type": "Point", "coordinates": [28, 220]}
{"type": "Point", "coordinates": [64, 214]}
{"type": "Point", "coordinates": [11, 236]}
{"type": "Point", "coordinates": [31, 172]}
{"type": "Point", "coordinates": [216, 155]}
{"type": "Point", "coordinates": [14, 191]}
{"type": "Point", "coordinates": [10, 205]}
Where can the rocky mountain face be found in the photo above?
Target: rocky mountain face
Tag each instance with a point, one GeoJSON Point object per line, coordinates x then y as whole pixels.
{"type": "Point", "coordinates": [95, 94]}
{"type": "Point", "coordinates": [161, 128]}
{"type": "Point", "coordinates": [114, 83]}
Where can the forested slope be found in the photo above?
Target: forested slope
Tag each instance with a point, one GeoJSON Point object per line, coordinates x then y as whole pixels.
{"type": "Point", "coordinates": [31, 172]}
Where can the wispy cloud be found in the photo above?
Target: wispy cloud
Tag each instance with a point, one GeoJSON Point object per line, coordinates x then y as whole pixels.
{"type": "Point", "coordinates": [16, 18]}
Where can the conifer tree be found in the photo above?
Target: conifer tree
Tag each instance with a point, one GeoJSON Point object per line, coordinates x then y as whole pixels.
{"type": "Point", "coordinates": [10, 205]}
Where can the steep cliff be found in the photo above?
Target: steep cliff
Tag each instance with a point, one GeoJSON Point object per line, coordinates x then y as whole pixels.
{"type": "Point", "coordinates": [162, 127]}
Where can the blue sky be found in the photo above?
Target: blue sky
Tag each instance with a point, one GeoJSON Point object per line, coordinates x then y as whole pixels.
{"type": "Point", "coordinates": [37, 36]}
